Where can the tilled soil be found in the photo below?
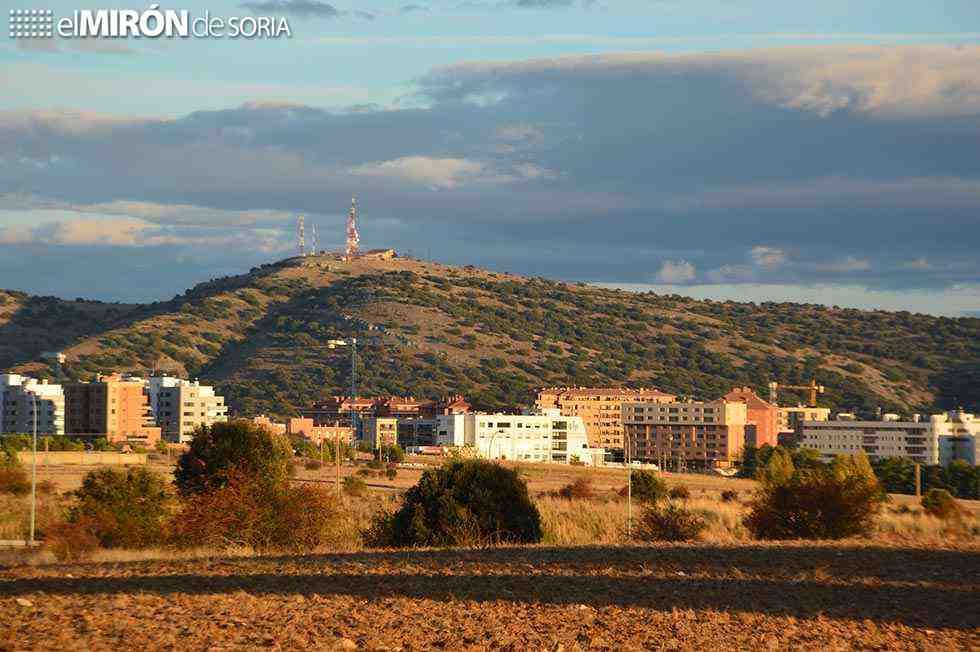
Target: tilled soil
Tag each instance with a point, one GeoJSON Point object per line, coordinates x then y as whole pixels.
{"type": "Point", "coordinates": [760, 596]}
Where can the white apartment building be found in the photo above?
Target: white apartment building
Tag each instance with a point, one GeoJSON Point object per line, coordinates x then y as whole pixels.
{"type": "Point", "coordinates": [959, 436]}
{"type": "Point", "coordinates": [184, 406]}
{"type": "Point", "coordinates": [20, 395]}
{"type": "Point", "coordinates": [916, 440]}
{"type": "Point", "coordinates": [787, 416]}
{"type": "Point", "coordinates": [539, 437]}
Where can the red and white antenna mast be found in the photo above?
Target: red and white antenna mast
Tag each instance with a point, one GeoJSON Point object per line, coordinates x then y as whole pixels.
{"type": "Point", "coordinates": [353, 238]}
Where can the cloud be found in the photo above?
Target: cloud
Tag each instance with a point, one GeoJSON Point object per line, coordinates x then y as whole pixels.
{"type": "Point", "coordinates": [304, 8]}
{"type": "Point", "coordinates": [767, 257]}
{"type": "Point", "coordinates": [676, 271]}
{"type": "Point", "coordinates": [435, 173]}
{"type": "Point", "coordinates": [848, 264]}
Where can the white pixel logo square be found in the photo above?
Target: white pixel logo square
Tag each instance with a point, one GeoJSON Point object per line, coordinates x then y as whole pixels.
{"type": "Point", "coordinates": [31, 23]}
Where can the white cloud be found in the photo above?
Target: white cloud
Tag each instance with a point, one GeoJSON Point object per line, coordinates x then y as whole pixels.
{"type": "Point", "coordinates": [767, 257]}
{"type": "Point", "coordinates": [676, 271]}
{"type": "Point", "coordinates": [435, 173]}
{"type": "Point", "coordinates": [843, 266]}
{"type": "Point", "coordinates": [731, 274]}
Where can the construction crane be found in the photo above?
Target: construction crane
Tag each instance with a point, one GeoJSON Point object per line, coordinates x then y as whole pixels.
{"type": "Point", "coordinates": [813, 388]}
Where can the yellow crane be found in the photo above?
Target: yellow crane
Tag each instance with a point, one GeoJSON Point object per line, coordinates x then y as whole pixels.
{"type": "Point", "coordinates": [813, 388]}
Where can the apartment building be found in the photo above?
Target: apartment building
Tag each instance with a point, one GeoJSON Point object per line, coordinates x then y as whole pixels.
{"type": "Point", "coordinates": [337, 409]}
{"type": "Point", "coordinates": [305, 428]}
{"type": "Point", "coordinates": [959, 436]}
{"type": "Point", "coordinates": [761, 425]}
{"type": "Point", "coordinates": [599, 408]}
{"type": "Point", "coordinates": [185, 406]}
{"type": "Point", "coordinates": [546, 436]}
{"type": "Point", "coordinates": [378, 431]}
{"type": "Point", "coordinates": [113, 407]}
{"type": "Point", "coordinates": [690, 434]}
{"type": "Point", "coordinates": [916, 440]}
{"type": "Point", "coordinates": [275, 427]}
{"type": "Point", "coordinates": [788, 418]}
{"type": "Point", "coordinates": [21, 396]}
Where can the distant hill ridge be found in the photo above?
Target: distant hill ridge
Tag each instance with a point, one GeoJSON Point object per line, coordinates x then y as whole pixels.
{"type": "Point", "coordinates": [428, 329]}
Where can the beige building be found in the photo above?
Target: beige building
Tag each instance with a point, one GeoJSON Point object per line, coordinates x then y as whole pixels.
{"type": "Point", "coordinates": [685, 435]}
{"type": "Point", "coordinates": [599, 408]}
{"type": "Point", "coordinates": [187, 406]}
{"type": "Point", "coordinates": [787, 418]}
{"type": "Point", "coordinates": [378, 431]}
{"type": "Point", "coordinates": [916, 440]}
{"type": "Point", "coordinates": [113, 407]}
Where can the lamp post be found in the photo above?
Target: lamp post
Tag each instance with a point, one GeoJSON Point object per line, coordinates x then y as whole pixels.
{"type": "Point", "coordinates": [34, 469]}
{"type": "Point", "coordinates": [351, 342]}
{"type": "Point", "coordinates": [629, 489]}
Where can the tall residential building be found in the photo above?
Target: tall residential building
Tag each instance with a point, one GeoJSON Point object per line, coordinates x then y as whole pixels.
{"type": "Point", "coordinates": [547, 436]}
{"type": "Point", "coordinates": [378, 431]}
{"type": "Point", "coordinates": [959, 437]}
{"type": "Point", "coordinates": [685, 435]}
{"type": "Point", "coordinates": [20, 396]}
{"type": "Point", "coordinates": [761, 425]}
{"type": "Point", "coordinates": [916, 440]}
{"type": "Point", "coordinates": [185, 407]}
{"type": "Point", "coordinates": [113, 407]}
{"type": "Point", "coordinates": [599, 408]}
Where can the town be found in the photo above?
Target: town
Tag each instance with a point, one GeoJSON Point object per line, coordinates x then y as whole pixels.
{"type": "Point", "coordinates": [593, 426]}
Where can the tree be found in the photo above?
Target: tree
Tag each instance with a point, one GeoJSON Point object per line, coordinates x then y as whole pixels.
{"type": "Point", "coordinates": [471, 502]}
{"type": "Point", "coordinates": [647, 487]}
{"type": "Point", "coordinates": [241, 446]}
{"type": "Point", "coordinates": [123, 509]}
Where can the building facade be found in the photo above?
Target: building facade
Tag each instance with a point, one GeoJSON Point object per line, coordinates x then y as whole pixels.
{"type": "Point", "coordinates": [21, 397]}
{"type": "Point", "coordinates": [378, 431]}
{"type": "Point", "coordinates": [599, 408]}
{"type": "Point", "coordinates": [916, 440]}
{"type": "Point", "coordinates": [113, 407]}
{"type": "Point", "coordinates": [186, 406]}
{"type": "Point", "coordinates": [788, 418]}
{"type": "Point", "coordinates": [685, 435]}
{"type": "Point", "coordinates": [761, 421]}
{"type": "Point", "coordinates": [547, 436]}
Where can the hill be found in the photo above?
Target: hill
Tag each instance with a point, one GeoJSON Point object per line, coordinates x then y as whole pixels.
{"type": "Point", "coordinates": [428, 329]}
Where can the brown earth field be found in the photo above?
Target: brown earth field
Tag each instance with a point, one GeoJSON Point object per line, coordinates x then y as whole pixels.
{"type": "Point", "coordinates": [678, 596]}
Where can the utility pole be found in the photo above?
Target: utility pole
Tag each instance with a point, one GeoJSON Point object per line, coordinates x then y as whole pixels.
{"type": "Point", "coordinates": [34, 471]}
{"type": "Point", "coordinates": [918, 480]}
{"type": "Point", "coordinates": [629, 490]}
{"type": "Point", "coordinates": [336, 452]}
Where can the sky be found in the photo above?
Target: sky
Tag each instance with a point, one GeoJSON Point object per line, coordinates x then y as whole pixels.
{"type": "Point", "coordinates": [745, 149]}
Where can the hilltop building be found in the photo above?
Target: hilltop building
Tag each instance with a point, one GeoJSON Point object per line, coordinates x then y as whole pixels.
{"type": "Point", "coordinates": [688, 434]}
{"type": "Point", "coordinates": [599, 408]}
{"type": "Point", "coordinates": [21, 395]}
{"type": "Point", "coordinates": [113, 407]}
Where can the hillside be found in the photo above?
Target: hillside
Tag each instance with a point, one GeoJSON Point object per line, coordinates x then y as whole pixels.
{"type": "Point", "coordinates": [428, 329]}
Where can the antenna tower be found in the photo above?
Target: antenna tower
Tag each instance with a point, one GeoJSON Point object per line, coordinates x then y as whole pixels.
{"type": "Point", "coordinates": [314, 240]}
{"type": "Point", "coordinates": [353, 238]}
{"type": "Point", "coordinates": [301, 233]}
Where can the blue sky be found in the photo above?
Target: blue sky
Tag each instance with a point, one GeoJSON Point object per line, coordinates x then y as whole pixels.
{"type": "Point", "coordinates": [759, 150]}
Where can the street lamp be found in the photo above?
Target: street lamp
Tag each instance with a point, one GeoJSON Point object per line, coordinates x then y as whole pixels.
{"type": "Point", "coordinates": [351, 342]}
{"type": "Point", "coordinates": [629, 488]}
{"type": "Point", "coordinates": [34, 469]}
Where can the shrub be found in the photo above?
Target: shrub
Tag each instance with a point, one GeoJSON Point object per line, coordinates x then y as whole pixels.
{"type": "Point", "coordinates": [70, 542]}
{"type": "Point", "coordinates": [248, 511]}
{"type": "Point", "coordinates": [375, 464]}
{"type": "Point", "coordinates": [679, 493]}
{"type": "Point", "coordinates": [471, 502]}
{"type": "Point", "coordinates": [243, 446]}
{"type": "Point", "coordinates": [729, 496]}
{"type": "Point", "coordinates": [391, 473]}
{"type": "Point", "coordinates": [13, 477]}
{"type": "Point", "coordinates": [354, 486]}
{"type": "Point", "coordinates": [668, 522]}
{"type": "Point", "coordinates": [393, 453]}
{"type": "Point", "coordinates": [367, 473]}
{"type": "Point", "coordinates": [581, 488]}
{"type": "Point", "coordinates": [122, 509]}
{"type": "Point", "coordinates": [835, 502]}
{"type": "Point", "coordinates": [941, 504]}
{"type": "Point", "coordinates": [313, 465]}
{"type": "Point", "coordinates": [647, 487]}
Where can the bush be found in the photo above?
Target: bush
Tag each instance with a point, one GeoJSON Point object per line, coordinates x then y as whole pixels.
{"type": "Point", "coordinates": [391, 473]}
{"type": "Point", "coordinates": [13, 477]}
{"type": "Point", "coordinates": [354, 486]}
{"type": "Point", "coordinates": [250, 512]}
{"type": "Point", "coordinates": [679, 493]}
{"type": "Point", "coordinates": [647, 487]}
{"type": "Point", "coordinates": [471, 502]}
{"type": "Point", "coordinates": [313, 465]}
{"type": "Point", "coordinates": [941, 504]}
{"type": "Point", "coordinates": [393, 453]}
{"type": "Point", "coordinates": [70, 542]}
{"type": "Point", "coordinates": [729, 496]}
{"type": "Point", "coordinates": [375, 464]}
{"type": "Point", "coordinates": [668, 522]}
{"type": "Point", "coordinates": [835, 502]}
{"type": "Point", "coordinates": [242, 446]}
{"type": "Point", "coordinates": [581, 488]}
{"type": "Point", "coordinates": [123, 509]}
